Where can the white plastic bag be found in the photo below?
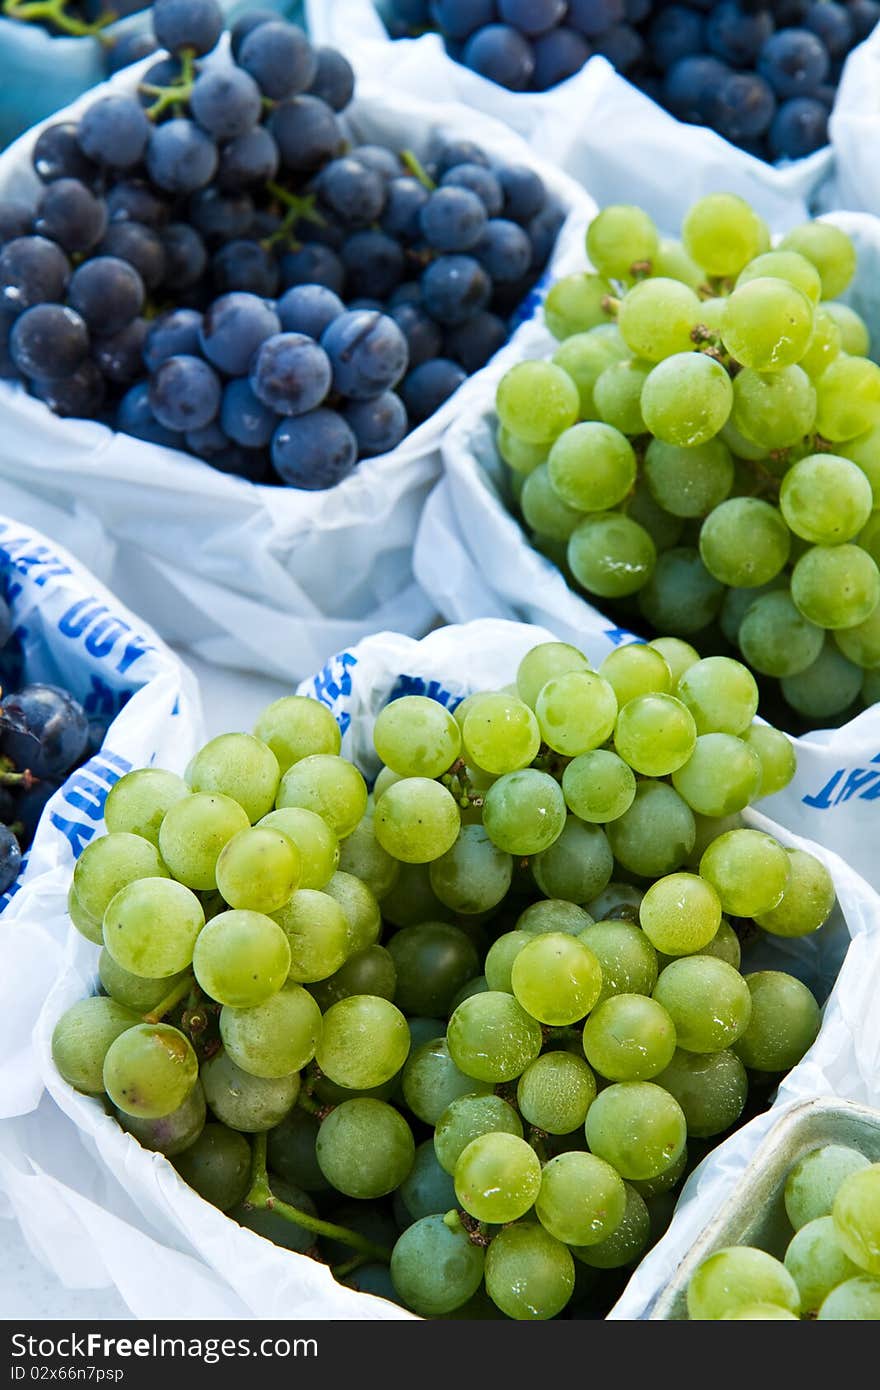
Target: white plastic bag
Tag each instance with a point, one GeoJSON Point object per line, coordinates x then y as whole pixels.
{"type": "Point", "coordinates": [265, 578]}
{"type": "Point", "coordinates": [855, 128]}
{"type": "Point", "coordinates": [619, 143]}
{"type": "Point", "coordinates": [474, 559]}
{"type": "Point", "coordinates": [103, 1210]}
{"type": "Point", "coordinates": [76, 634]}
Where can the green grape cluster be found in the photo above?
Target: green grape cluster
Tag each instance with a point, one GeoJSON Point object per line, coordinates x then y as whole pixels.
{"type": "Point", "coordinates": [430, 1029]}
{"type": "Point", "coordinates": [702, 452]}
{"type": "Point", "coordinates": [831, 1266]}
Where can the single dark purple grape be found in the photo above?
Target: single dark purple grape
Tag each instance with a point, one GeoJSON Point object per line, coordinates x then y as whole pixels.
{"type": "Point", "coordinates": [33, 270]}
{"type": "Point", "coordinates": [308, 309]}
{"type": "Point", "coordinates": [333, 81]}
{"type": "Point", "coordinates": [185, 257]}
{"type": "Point", "coordinates": [181, 157]}
{"type": "Point", "coordinates": [291, 374]}
{"type": "Point", "coordinates": [114, 132]}
{"type": "Point", "coordinates": [119, 356]}
{"type": "Point", "coordinates": [185, 393]}
{"type": "Point", "coordinates": [378, 424]}
{"type": "Point", "coordinates": [49, 341]}
{"type": "Point", "coordinates": [220, 216]}
{"type": "Point", "coordinates": [423, 337]}
{"type": "Point", "coordinates": [248, 160]}
{"type": "Point", "coordinates": [55, 720]}
{"type": "Point", "coordinates": [57, 154]}
{"type": "Point", "coordinates": [187, 24]}
{"type": "Point", "coordinates": [108, 292]}
{"type": "Point", "coordinates": [245, 265]}
{"type": "Point", "coordinates": [142, 247]}
{"type": "Point", "coordinates": [15, 220]}
{"type": "Point", "coordinates": [134, 416]}
{"type": "Point", "coordinates": [307, 132]}
{"type": "Point", "coordinates": [233, 328]}
{"type": "Point", "coordinates": [245, 419]}
{"type": "Point", "coordinates": [280, 59]}
{"type": "Point", "coordinates": [226, 102]}
{"type": "Point", "coordinates": [174, 334]}
{"type": "Point", "coordinates": [427, 387]}
{"type": "Point", "coordinates": [133, 201]}
{"type": "Point", "coordinates": [367, 351]}
{"type": "Point", "coordinates": [312, 265]}
{"type": "Point", "coordinates": [314, 451]}
{"type": "Point", "coordinates": [69, 213]}
{"type": "Point", "coordinates": [78, 396]}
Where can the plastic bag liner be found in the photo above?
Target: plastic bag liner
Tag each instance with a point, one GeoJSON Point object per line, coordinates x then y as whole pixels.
{"type": "Point", "coordinates": [75, 634]}
{"type": "Point", "coordinates": [474, 559]}
{"type": "Point", "coordinates": [265, 578]}
{"type": "Point", "coordinates": [99, 1209]}
{"type": "Point", "coordinates": [619, 143]}
{"type": "Point", "coordinates": [855, 128]}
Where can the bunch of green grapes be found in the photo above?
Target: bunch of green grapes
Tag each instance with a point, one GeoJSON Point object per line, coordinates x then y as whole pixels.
{"type": "Point", "coordinates": [831, 1267]}
{"type": "Point", "coordinates": [487, 1003]}
{"type": "Point", "coordinates": [702, 453]}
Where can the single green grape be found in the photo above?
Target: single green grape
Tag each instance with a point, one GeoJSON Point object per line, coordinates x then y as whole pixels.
{"type": "Point", "coordinates": [672, 260]}
{"type": "Point", "coordinates": [553, 915]}
{"type": "Point", "coordinates": [169, 1134]}
{"type": "Point", "coordinates": [855, 338]}
{"type": "Point", "coordinates": [598, 786]}
{"type": "Point", "coordinates": [627, 958]}
{"type": "Point", "coordinates": [468, 1117]}
{"type": "Point", "coordinates": [364, 1042]}
{"type": "Point", "coordinates": [492, 1038]}
{"type": "Point", "coordinates": [610, 554]}
{"type": "Point", "coordinates": [736, 1277]}
{"type": "Point", "coordinates": [749, 871]}
{"type": "Point", "coordinates": [817, 1263]}
{"type": "Point", "coordinates": [856, 1300]}
{"type": "Point", "coordinates": [582, 1199]}
{"type": "Point", "coordinates": [626, 1243]}
{"type": "Point", "coordinates": [617, 396]}
{"type": "Point", "coordinates": [556, 979]}
{"type": "Point", "coordinates": [194, 832]}
{"type": "Point", "coordinates": [243, 1101]}
{"type": "Point", "coordinates": [637, 1127]}
{"type": "Point", "coordinates": [767, 323]}
{"type": "Point", "coordinates": [362, 912]}
{"type": "Point", "coordinates": [722, 233]}
{"type": "Point", "coordinates": [432, 962]}
{"type": "Point", "coordinates": [591, 466]}
{"type": "Point", "coordinates": [107, 865]}
{"type": "Point", "coordinates": [686, 399]}
{"type": "Point", "coordinates": [432, 1081]}
{"type": "Point", "coordinates": [814, 1181]}
{"type": "Point", "coordinates": [708, 1001]}
{"type": "Point", "coordinates": [501, 734]}
{"type": "Point", "coordinates": [710, 1087]}
{"type": "Point", "coordinates": [575, 303]}
{"type": "Point", "coordinates": [276, 1037]}
{"type": "Point", "coordinates": [529, 1274]}
{"type": "Point", "coordinates": [773, 410]}
{"type": "Point", "coordinates": [151, 927]}
{"type": "Point", "coordinates": [370, 971]}
{"type": "Point", "coordinates": [577, 865]}
{"type": "Point", "coordinates": [790, 266]}
{"type": "Point", "coordinates": [435, 1268]}
{"type": "Point", "coordinates": [680, 914]}
{"type": "Point", "coordinates": [417, 820]}
{"type": "Point", "coordinates": [259, 869]}
{"type": "Point", "coordinates": [412, 899]}
{"type": "Point", "coordinates": [330, 786]}
{"type": "Point", "coordinates": [825, 499]}
{"type": "Point", "coordinates": [555, 1092]}
{"type": "Point", "coordinates": [826, 688]}
{"type": "Point", "coordinates": [150, 1069]}
{"type": "Point", "coordinates": [861, 644]}
{"type": "Point", "coordinates": [241, 958]}
{"type": "Point", "coordinates": [824, 345]}
{"type": "Point", "coordinates": [239, 766]}
{"type": "Point", "coordinates": [808, 900]}
{"type": "Point", "coordinates": [291, 1151]}
{"type": "Point", "coordinates": [517, 453]}
{"type": "Point", "coordinates": [217, 1166]}
{"type": "Point", "coordinates": [82, 1037]}
{"type": "Point", "coordinates": [744, 542]}
{"type": "Point", "coordinates": [363, 857]}
{"type": "Point", "coordinates": [776, 755]}
{"type": "Point", "coordinates": [137, 803]}
{"type": "Point", "coordinates": [636, 669]}
{"type": "Point", "coordinates": [721, 694]}
{"type": "Point", "coordinates": [847, 398]}
{"type": "Point", "coordinates": [543, 663]}
{"type": "Point", "coordinates": [365, 1148]}
{"type": "Point", "coordinates": [536, 401]}
{"type": "Point", "coordinates": [655, 734]}
{"type": "Point", "coordinates": [856, 1215]}
{"type": "Point", "coordinates": [656, 835]}
{"type": "Point", "coordinates": [628, 1038]}
{"type": "Point", "coordinates": [722, 775]}
{"type": "Point", "coordinates": [497, 1177]}
{"type": "Point", "coordinates": [317, 933]}
{"type": "Point", "coordinates": [318, 846]}
{"type": "Point", "coordinates": [827, 248]}
{"type": "Point", "coordinates": [296, 726]}
{"type": "Point", "coordinates": [681, 596]}
{"type": "Point", "coordinates": [689, 482]}
{"type": "Point", "coordinates": [657, 318]}
{"type": "Point", "coordinates": [621, 237]}
{"type": "Point", "coordinates": [416, 737]}
{"type": "Point", "coordinates": [679, 656]}
{"type": "Point", "coordinates": [776, 639]}
{"type": "Point", "coordinates": [576, 712]}
{"type": "Point", "coordinates": [784, 1022]}
{"type": "Point", "coordinates": [836, 586]}
{"type": "Point", "coordinates": [523, 812]}
{"type": "Point", "coordinates": [474, 875]}
{"type": "Point", "coordinates": [134, 991]}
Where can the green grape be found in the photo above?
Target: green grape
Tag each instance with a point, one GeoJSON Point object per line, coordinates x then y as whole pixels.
{"type": "Point", "coordinates": [529, 1274]}
{"type": "Point", "coordinates": [107, 865]}
{"type": "Point", "coordinates": [636, 669]}
{"type": "Point", "coordinates": [689, 482]}
{"type": "Point", "coordinates": [663, 528]}
{"type": "Point", "coordinates": [767, 324]}
{"type": "Point", "coordinates": [626, 1243]}
{"type": "Point", "coordinates": [814, 1181]}
{"type": "Point", "coordinates": [621, 238]}
{"type": "Point", "coordinates": [783, 1025]}
{"type": "Point", "coordinates": [808, 900]}
{"type": "Point", "coordinates": [856, 1217]}
{"type": "Point", "coordinates": [576, 303]}
{"type": "Point", "coordinates": [433, 961]}
{"type": "Point", "coordinates": [591, 466]}
{"type": "Point", "coordinates": [542, 663]}
{"type": "Point", "coordinates": [856, 1300]}
{"type": "Point", "coordinates": [723, 946]}
{"type": "Point", "coordinates": [827, 248]}
{"type": "Point", "coordinates": [150, 1069]}
{"type": "Point", "coordinates": [432, 1080]}
{"type": "Point", "coordinates": [721, 694]}
{"type": "Point", "coordinates": [417, 820]}
{"type": "Point", "coordinates": [598, 786]}
{"type": "Point", "coordinates": [556, 978]}
{"type": "Point", "coordinates": [584, 357]}
{"type": "Point", "coordinates": [836, 586]}
{"type": "Point", "coordinates": [739, 445]}
{"type": "Point", "coordinates": [686, 399]}
{"type": "Point", "coordinates": [296, 726]}
{"type": "Point", "coordinates": [617, 395]}
{"type": "Point", "coordinates": [317, 933]}
{"type": "Point", "coordinates": [365, 1148]}
{"type": "Point", "coordinates": [722, 234]}
{"type": "Point", "coordinates": [467, 1118]}
{"type": "Point", "coordinates": [243, 1101]}
{"type": "Point", "coordinates": [317, 844]}
{"type": "Point", "coordinates": [194, 832]}
{"type": "Point", "coordinates": [412, 899]}
{"type": "Point", "coordinates": [577, 865]}
{"type": "Point", "coordinates": [773, 409]}
{"type": "Point", "coordinates": [582, 1199]}
{"type": "Point", "coordinates": [363, 857]}
{"type": "Point", "coordinates": [427, 1189]}
{"type": "Point", "coordinates": [848, 398]}
{"type": "Point", "coordinates": [330, 786]}
{"type": "Point", "coordinates": [870, 690]}
{"type": "Point", "coordinates": [259, 869]}
{"type": "Point", "coordinates": [627, 958]}
{"type": "Point", "coordinates": [861, 644]}
{"type": "Point", "coordinates": [370, 971]}
{"type": "Point", "coordinates": [416, 737]}
{"type": "Point", "coordinates": [680, 914]}
{"type": "Point", "coordinates": [735, 1278]}
{"type": "Point", "coordinates": [555, 1092]}
{"type": "Point", "coordinates": [825, 499]}
{"type": "Point", "coordinates": [611, 555]}
{"type": "Point", "coordinates": [824, 345]}
{"type": "Point", "coordinates": [710, 1087]}
{"type": "Point", "coordinates": [761, 1312]}
{"type": "Point", "coordinates": [789, 266]}
{"type": "Point", "coordinates": [744, 542]}
{"type": "Point", "coordinates": [362, 912]}
{"type": "Point", "coordinates": [435, 1268]}
{"type": "Point", "coordinates": [737, 603]}
{"type": "Point", "coordinates": [748, 869]}
{"type": "Point", "coordinates": [576, 712]}
{"type": "Point", "coordinates": [827, 687]}
{"type": "Point", "coordinates": [636, 1127]}
{"type": "Point", "coordinates": [239, 766]}
{"type": "Point", "coordinates": [657, 318]}
{"type": "Point", "coordinates": [133, 991]}
{"type": "Point", "coordinates": [474, 875]}
{"type": "Point", "coordinates": [217, 1166]}
{"type": "Point", "coordinates": [553, 915]}
{"type": "Point", "coordinates": [241, 958]}
{"type": "Point", "coordinates": [491, 1037]}
{"type": "Point", "coordinates": [672, 260]}
{"type": "Point", "coordinates": [722, 775]}
{"type": "Point", "coordinates": [291, 1151]}
{"type": "Point", "coordinates": [656, 835]}
{"type": "Point", "coordinates": [364, 1041]}
{"type": "Point", "coordinates": [276, 1037]}
{"type": "Point", "coordinates": [655, 734]}
{"type": "Point", "coordinates": [386, 778]}
{"type": "Point", "coordinates": [776, 639]}
{"type": "Point", "coordinates": [519, 454]}
{"type": "Point", "coordinates": [665, 1181]}
{"type": "Point", "coordinates": [681, 596]}
{"type": "Point", "coordinates": [169, 1134]}
{"type": "Point", "coordinates": [501, 734]}
{"type": "Point", "coordinates": [817, 1262]}
{"type": "Point", "coordinates": [524, 812]}
{"type": "Point", "coordinates": [628, 1038]}
{"type": "Point", "coordinates": [88, 926]}
{"type": "Point", "coordinates": [497, 1177]}
{"type": "Point", "coordinates": [708, 1001]}
{"type": "Point", "coordinates": [151, 926]}
{"type": "Point", "coordinates": [137, 803]}
{"type": "Point", "coordinates": [855, 338]}
{"type": "Point", "coordinates": [536, 401]}
{"type": "Point", "coordinates": [82, 1038]}
{"type": "Point", "coordinates": [776, 755]}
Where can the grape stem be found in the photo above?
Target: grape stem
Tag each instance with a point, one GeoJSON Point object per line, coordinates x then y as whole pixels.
{"type": "Point", "coordinates": [174, 996]}
{"type": "Point", "coordinates": [260, 1197]}
{"type": "Point", "coordinates": [411, 161]}
{"type": "Point", "coordinates": [311, 1106]}
{"type": "Point", "coordinates": [55, 12]}
{"type": "Point", "coordinates": [178, 92]}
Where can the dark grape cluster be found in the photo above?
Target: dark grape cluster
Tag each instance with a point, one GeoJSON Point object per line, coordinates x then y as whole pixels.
{"type": "Point", "coordinates": [763, 73]}
{"type": "Point", "coordinates": [210, 264]}
{"type": "Point", "coordinates": [44, 732]}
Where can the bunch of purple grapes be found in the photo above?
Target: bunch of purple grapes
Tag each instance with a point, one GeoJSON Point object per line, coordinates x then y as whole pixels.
{"type": "Point", "coordinates": [211, 266]}
{"type": "Point", "coordinates": [763, 73]}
